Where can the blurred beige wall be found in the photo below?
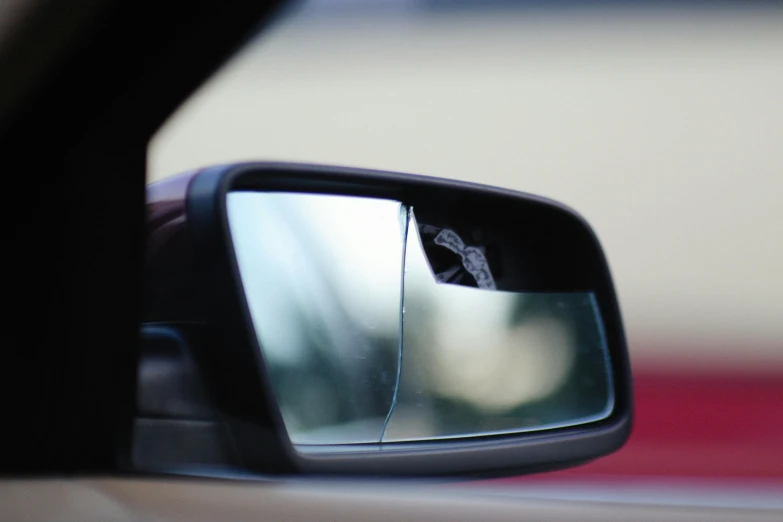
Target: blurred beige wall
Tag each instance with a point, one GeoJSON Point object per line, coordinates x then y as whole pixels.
{"type": "Point", "coordinates": [664, 129]}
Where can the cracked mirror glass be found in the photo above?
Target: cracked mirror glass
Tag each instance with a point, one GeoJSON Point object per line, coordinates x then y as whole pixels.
{"type": "Point", "coordinates": [381, 321]}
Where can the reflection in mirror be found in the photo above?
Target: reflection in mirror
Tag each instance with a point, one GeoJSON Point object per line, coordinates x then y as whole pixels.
{"type": "Point", "coordinates": [381, 322]}
{"type": "Point", "coordinates": [322, 276]}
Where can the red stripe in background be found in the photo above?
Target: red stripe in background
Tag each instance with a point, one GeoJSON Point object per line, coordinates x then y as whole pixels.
{"type": "Point", "coordinates": [716, 426]}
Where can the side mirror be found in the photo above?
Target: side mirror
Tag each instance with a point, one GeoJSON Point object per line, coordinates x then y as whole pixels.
{"type": "Point", "coordinates": [369, 323]}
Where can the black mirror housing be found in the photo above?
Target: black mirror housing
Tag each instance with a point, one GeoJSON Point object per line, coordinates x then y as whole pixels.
{"type": "Point", "coordinates": [236, 374]}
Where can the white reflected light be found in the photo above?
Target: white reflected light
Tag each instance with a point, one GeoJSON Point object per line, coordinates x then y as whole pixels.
{"type": "Point", "coordinates": [363, 244]}
{"type": "Point", "coordinates": [339, 248]}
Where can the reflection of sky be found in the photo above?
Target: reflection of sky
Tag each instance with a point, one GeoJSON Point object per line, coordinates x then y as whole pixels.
{"type": "Point", "coordinates": [362, 241]}
{"type": "Point", "coordinates": [307, 248]}
{"type": "Point", "coordinates": [254, 227]}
